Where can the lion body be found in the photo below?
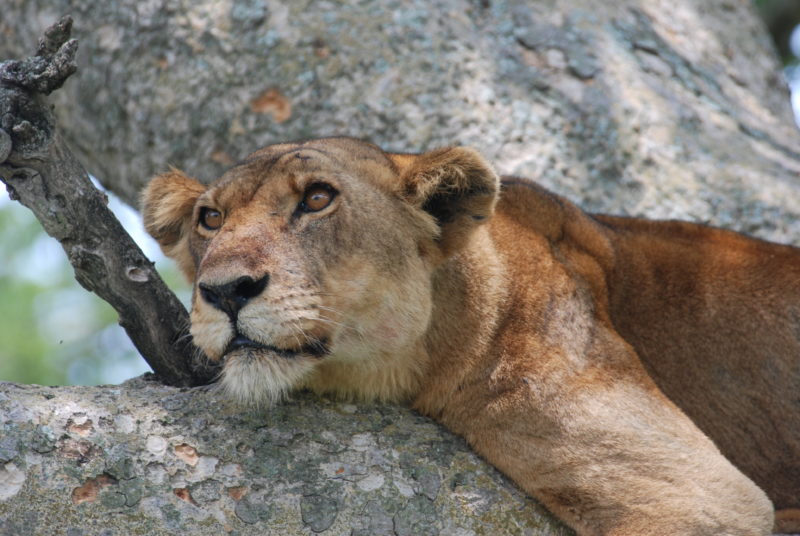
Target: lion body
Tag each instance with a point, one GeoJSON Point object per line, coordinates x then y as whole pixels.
{"type": "Point", "coordinates": [627, 373]}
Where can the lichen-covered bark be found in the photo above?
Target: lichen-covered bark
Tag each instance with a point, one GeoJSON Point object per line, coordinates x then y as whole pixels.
{"type": "Point", "coordinates": [142, 458]}
{"type": "Point", "coordinates": [661, 108]}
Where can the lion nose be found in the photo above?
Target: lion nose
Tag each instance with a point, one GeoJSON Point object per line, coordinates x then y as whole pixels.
{"type": "Point", "coordinates": [230, 297]}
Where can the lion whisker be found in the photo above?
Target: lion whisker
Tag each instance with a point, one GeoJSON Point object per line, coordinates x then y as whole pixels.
{"type": "Point", "coordinates": [296, 327]}
{"type": "Point", "coordinates": [183, 338]}
{"type": "Point", "coordinates": [338, 324]}
{"type": "Point", "coordinates": [331, 309]}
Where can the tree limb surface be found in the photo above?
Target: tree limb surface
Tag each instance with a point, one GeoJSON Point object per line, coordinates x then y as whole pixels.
{"type": "Point", "coordinates": [143, 458]}
{"type": "Point", "coordinates": [40, 172]}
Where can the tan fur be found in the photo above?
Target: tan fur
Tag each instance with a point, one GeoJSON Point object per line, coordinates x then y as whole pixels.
{"type": "Point", "coordinates": [602, 363]}
{"type": "Point", "coordinates": [167, 206]}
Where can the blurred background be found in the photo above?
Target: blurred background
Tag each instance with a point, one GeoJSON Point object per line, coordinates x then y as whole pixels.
{"type": "Point", "coordinates": [53, 332]}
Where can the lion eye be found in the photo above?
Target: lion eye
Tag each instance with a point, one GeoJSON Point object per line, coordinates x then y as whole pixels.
{"type": "Point", "coordinates": [210, 219]}
{"type": "Point", "coordinates": [317, 197]}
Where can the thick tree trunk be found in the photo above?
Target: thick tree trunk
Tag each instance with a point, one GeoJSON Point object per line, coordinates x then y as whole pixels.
{"type": "Point", "coordinates": [664, 108]}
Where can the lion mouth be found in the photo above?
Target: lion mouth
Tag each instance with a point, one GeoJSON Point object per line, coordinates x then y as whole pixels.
{"type": "Point", "coordinates": [315, 348]}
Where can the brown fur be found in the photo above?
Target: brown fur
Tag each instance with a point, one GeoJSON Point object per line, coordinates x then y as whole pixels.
{"type": "Point", "coordinates": [628, 373]}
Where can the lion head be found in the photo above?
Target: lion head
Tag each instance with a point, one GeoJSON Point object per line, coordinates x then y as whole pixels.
{"type": "Point", "coordinates": [312, 262]}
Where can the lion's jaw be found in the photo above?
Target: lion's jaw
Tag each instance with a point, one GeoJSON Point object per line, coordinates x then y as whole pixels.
{"type": "Point", "coordinates": [329, 336]}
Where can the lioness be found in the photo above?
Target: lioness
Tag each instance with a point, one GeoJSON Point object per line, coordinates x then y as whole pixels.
{"type": "Point", "coordinates": [627, 373]}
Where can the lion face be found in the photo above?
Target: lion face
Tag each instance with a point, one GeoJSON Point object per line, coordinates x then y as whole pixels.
{"type": "Point", "coordinates": [312, 262]}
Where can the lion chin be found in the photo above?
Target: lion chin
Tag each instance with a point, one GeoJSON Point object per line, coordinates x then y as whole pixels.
{"type": "Point", "coordinates": [258, 377]}
{"type": "Point", "coordinates": [637, 377]}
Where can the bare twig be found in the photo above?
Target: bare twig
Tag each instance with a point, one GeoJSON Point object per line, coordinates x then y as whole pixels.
{"type": "Point", "coordinates": [40, 172]}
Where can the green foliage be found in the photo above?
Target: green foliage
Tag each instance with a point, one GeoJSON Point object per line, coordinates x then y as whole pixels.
{"type": "Point", "coordinates": [22, 351]}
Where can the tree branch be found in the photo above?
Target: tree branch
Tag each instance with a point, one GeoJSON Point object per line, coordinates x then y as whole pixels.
{"type": "Point", "coordinates": [143, 458]}
{"type": "Point", "coordinates": [41, 173]}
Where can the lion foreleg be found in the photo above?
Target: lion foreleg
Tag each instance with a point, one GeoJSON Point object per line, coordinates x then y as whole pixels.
{"type": "Point", "coordinates": [607, 452]}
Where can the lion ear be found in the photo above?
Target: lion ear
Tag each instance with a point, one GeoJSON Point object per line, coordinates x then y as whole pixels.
{"type": "Point", "coordinates": [167, 204]}
{"type": "Point", "coordinates": [455, 186]}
